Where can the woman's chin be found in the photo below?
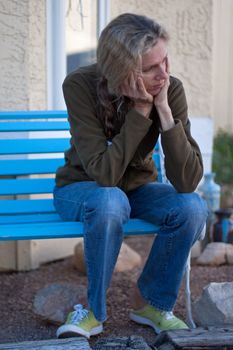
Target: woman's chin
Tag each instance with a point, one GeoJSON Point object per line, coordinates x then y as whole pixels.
{"type": "Point", "coordinates": [154, 91]}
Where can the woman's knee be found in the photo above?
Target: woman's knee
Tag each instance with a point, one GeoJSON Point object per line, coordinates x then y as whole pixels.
{"type": "Point", "coordinates": [193, 206]}
{"type": "Point", "coordinates": [108, 201]}
{"type": "Point", "coordinates": [193, 214]}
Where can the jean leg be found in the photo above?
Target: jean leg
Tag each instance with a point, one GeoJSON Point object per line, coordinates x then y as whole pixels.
{"type": "Point", "coordinates": [181, 217]}
{"type": "Point", "coordinates": [103, 211]}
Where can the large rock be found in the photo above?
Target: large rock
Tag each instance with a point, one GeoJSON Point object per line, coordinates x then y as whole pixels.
{"type": "Point", "coordinates": [127, 259]}
{"type": "Point", "coordinates": [215, 306]}
{"type": "Point", "coordinates": [54, 301]}
{"type": "Point", "coordinates": [132, 342]}
{"type": "Point", "coordinates": [216, 253]}
{"type": "Point", "coordinates": [229, 254]}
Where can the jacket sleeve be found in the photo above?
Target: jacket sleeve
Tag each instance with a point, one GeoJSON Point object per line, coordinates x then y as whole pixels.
{"type": "Point", "coordinates": [103, 162]}
{"type": "Point", "coordinates": [183, 161]}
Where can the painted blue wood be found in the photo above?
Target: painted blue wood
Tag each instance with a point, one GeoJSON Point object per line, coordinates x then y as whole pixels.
{"type": "Point", "coordinates": [36, 218]}
{"type": "Point", "coordinates": [26, 186]}
{"type": "Point", "coordinates": [33, 126]}
{"type": "Point", "coordinates": [16, 115]}
{"type": "Point", "coordinates": [29, 146]}
{"type": "Point", "coordinates": [30, 166]}
{"type": "Point", "coordinates": [65, 230]}
{"type": "Point", "coordinates": [26, 206]}
{"type": "Point", "coordinates": [29, 218]}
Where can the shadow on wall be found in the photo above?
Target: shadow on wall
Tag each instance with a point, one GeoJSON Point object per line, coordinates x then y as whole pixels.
{"type": "Point", "coordinates": [80, 59]}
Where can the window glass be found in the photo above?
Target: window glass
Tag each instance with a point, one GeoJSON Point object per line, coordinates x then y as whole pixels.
{"type": "Point", "coordinates": [81, 36]}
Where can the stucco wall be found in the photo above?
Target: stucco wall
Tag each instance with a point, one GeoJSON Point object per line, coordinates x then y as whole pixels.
{"type": "Point", "coordinates": [223, 72]}
{"type": "Point", "coordinates": [22, 54]}
{"type": "Point", "coordinates": [189, 24]}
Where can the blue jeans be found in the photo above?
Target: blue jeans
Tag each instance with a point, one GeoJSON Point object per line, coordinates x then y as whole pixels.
{"type": "Point", "coordinates": [103, 210]}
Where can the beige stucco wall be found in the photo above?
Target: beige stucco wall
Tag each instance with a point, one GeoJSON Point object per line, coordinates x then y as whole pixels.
{"type": "Point", "coordinates": [22, 54]}
{"type": "Point", "coordinates": [189, 24]}
{"type": "Point", "coordinates": [23, 86]}
{"type": "Point", "coordinates": [22, 77]}
{"type": "Point", "coordinates": [222, 69]}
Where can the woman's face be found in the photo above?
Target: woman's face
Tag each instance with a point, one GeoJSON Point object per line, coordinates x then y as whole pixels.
{"type": "Point", "coordinates": [154, 67]}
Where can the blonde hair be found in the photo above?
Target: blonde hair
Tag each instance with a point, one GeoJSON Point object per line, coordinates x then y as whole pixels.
{"type": "Point", "coordinates": [121, 44]}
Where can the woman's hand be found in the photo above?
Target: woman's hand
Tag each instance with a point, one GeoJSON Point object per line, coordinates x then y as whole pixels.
{"type": "Point", "coordinates": [160, 100]}
{"type": "Point", "coordinates": [161, 103]}
{"type": "Point", "coordinates": [133, 87]}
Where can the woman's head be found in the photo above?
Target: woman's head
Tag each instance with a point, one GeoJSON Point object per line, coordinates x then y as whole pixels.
{"type": "Point", "coordinates": [121, 45]}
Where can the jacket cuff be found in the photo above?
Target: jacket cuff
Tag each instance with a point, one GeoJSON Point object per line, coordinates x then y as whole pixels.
{"type": "Point", "coordinates": [138, 120]}
{"type": "Point", "coordinates": [175, 131]}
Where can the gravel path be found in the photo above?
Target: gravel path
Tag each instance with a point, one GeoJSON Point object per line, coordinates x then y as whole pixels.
{"type": "Point", "coordinates": [18, 323]}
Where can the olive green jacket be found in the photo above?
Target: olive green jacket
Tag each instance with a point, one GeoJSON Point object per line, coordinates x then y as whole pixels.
{"type": "Point", "coordinates": [126, 161]}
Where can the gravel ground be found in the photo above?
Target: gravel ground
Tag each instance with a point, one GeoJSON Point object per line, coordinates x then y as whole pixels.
{"type": "Point", "coordinates": [18, 323]}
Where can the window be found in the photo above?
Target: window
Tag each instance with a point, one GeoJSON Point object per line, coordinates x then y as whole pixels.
{"type": "Point", "coordinates": [81, 33]}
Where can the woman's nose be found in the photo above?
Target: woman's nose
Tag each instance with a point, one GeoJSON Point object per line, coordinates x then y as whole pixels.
{"type": "Point", "coordinates": [161, 74]}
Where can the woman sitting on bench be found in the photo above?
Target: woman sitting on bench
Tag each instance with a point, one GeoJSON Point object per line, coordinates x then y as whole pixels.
{"type": "Point", "coordinates": [117, 109]}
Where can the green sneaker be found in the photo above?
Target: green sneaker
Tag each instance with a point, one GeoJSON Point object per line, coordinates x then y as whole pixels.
{"type": "Point", "coordinates": [80, 322]}
{"type": "Point", "coordinates": [159, 320]}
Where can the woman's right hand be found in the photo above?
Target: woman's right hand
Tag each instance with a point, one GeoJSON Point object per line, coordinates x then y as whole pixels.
{"type": "Point", "coordinates": [133, 87]}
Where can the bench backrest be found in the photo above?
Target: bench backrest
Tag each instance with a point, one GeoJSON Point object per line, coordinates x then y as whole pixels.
{"type": "Point", "coordinates": [32, 147]}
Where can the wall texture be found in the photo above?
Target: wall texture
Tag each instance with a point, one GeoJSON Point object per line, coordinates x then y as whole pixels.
{"type": "Point", "coordinates": [189, 24]}
{"type": "Point", "coordinates": [222, 69]}
{"type": "Point", "coordinates": [22, 54]}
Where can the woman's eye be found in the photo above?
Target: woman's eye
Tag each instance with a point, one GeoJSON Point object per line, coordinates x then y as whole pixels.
{"type": "Point", "coordinates": [147, 70]}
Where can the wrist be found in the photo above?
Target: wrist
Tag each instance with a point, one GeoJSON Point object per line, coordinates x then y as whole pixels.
{"type": "Point", "coordinates": [166, 118]}
{"type": "Point", "coordinates": [143, 108]}
{"type": "Point", "coordinates": [163, 109]}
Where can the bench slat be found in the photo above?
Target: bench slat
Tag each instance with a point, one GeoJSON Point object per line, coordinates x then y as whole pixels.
{"type": "Point", "coordinates": [65, 230]}
{"type": "Point", "coordinates": [29, 218]}
{"type": "Point", "coordinates": [25, 206]}
{"type": "Point", "coordinates": [33, 126]}
{"type": "Point", "coordinates": [26, 186]}
{"type": "Point", "coordinates": [30, 166]}
{"type": "Point", "coordinates": [16, 115]}
{"type": "Point", "coordinates": [29, 146]}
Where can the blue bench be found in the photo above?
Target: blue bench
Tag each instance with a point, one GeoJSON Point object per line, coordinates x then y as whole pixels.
{"type": "Point", "coordinates": [31, 149]}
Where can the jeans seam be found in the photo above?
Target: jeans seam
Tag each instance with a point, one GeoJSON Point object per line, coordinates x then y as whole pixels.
{"type": "Point", "coordinates": [64, 199]}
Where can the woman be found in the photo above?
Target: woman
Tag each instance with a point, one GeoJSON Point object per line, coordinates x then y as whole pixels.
{"type": "Point", "coordinates": [117, 109]}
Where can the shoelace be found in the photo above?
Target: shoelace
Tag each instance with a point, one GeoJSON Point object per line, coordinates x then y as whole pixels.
{"type": "Point", "coordinates": [168, 314]}
{"type": "Point", "coordinates": [78, 314]}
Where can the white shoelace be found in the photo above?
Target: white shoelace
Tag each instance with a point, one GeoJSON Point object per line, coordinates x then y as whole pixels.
{"type": "Point", "coordinates": [79, 313]}
{"type": "Point", "coordinates": [168, 314]}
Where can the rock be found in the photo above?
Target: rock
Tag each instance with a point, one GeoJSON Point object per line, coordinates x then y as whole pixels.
{"type": "Point", "coordinates": [54, 301]}
{"type": "Point", "coordinates": [78, 258]}
{"type": "Point", "coordinates": [196, 250]}
{"type": "Point", "coordinates": [127, 259]}
{"type": "Point", "coordinates": [214, 254]}
{"type": "Point", "coordinates": [229, 254]}
{"type": "Point", "coordinates": [132, 342]}
{"type": "Point", "coordinates": [215, 306]}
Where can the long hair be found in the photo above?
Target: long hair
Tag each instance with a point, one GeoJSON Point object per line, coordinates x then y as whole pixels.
{"type": "Point", "coordinates": [121, 44]}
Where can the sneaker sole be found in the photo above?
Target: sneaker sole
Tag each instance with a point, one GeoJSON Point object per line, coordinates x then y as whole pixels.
{"type": "Point", "coordinates": [68, 331]}
{"type": "Point", "coordinates": [144, 321]}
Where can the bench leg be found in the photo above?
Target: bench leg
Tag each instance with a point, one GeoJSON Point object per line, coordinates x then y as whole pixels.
{"type": "Point", "coordinates": [189, 318]}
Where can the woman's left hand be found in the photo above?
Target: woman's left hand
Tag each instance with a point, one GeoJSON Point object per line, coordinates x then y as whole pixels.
{"type": "Point", "coordinates": [161, 103]}
{"type": "Point", "coordinates": [160, 100]}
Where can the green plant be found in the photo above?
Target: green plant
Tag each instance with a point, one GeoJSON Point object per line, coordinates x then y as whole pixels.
{"type": "Point", "coordinates": [223, 157]}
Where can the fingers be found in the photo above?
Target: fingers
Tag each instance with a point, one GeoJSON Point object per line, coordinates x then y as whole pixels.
{"type": "Point", "coordinates": [168, 65]}
{"type": "Point", "coordinates": [134, 88]}
{"type": "Point", "coordinates": [132, 82]}
{"type": "Point", "coordinates": [144, 94]}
